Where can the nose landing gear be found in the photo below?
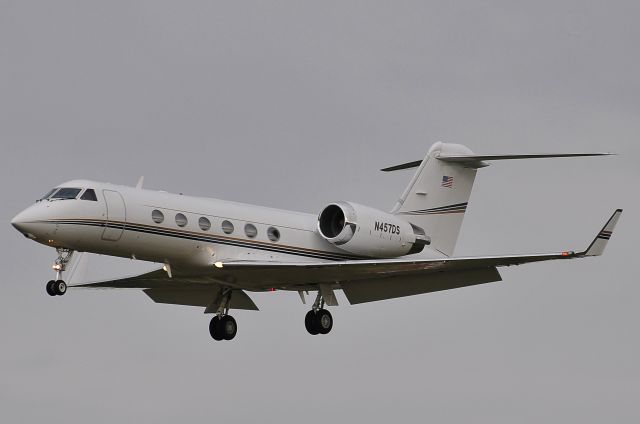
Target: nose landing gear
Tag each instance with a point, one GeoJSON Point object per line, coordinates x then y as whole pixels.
{"type": "Point", "coordinates": [58, 287]}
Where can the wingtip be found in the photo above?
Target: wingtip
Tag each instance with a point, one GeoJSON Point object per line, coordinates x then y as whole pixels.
{"type": "Point", "coordinates": [599, 243]}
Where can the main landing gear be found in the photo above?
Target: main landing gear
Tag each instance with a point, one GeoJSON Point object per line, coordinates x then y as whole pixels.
{"type": "Point", "coordinates": [223, 326]}
{"type": "Point", "coordinates": [58, 287]}
{"type": "Point", "coordinates": [318, 320]}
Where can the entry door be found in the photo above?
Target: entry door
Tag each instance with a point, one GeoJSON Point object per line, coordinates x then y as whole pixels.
{"type": "Point", "coordinates": [116, 215]}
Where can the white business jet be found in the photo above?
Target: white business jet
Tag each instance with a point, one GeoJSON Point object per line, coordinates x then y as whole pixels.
{"type": "Point", "coordinates": [215, 251]}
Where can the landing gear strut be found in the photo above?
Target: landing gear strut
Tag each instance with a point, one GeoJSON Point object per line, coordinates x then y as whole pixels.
{"type": "Point", "coordinates": [58, 287]}
{"type": "Point", "coordinates": [223, 326]}
{"type": "Point", "coordinates": [318, 320]}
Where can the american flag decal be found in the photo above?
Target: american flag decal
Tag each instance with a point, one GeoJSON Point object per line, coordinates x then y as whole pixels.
{"type": "Point", "coordinates": [447, 181]}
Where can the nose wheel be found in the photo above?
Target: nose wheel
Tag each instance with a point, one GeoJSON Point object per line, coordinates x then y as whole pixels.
{"type": "Point", "coordinates": [58, 287]}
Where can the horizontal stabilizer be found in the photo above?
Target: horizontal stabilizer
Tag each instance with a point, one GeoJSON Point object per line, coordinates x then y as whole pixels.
{"type": "Point", "coordinates": [477, 161]}
{"type": "Point", "coordinates": [408, 165]}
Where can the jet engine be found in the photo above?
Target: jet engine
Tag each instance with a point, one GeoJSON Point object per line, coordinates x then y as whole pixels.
{"type": "Point", "coordinates": [369, 232]}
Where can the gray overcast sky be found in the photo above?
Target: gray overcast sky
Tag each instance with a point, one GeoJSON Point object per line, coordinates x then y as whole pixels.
{"type": "Point", "coordinates": [294, 105]}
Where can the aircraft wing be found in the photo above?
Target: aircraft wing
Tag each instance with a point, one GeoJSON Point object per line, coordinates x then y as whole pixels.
{"type": "Point", "coordinates": [182, 289]}
{"type": "Point", "coordinates": [361, 280]}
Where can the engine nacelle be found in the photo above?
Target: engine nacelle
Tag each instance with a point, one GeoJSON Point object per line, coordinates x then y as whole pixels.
{"type": "Point", "coordinates": [369, 232]}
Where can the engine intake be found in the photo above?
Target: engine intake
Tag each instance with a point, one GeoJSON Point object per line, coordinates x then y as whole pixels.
{"type": "Point", "coordinates": [331, 221]}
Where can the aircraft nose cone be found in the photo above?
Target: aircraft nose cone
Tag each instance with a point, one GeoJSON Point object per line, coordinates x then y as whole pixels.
{"type": "Point", "coordinates": [25, 221]}
{"type": "Point", "coordinates": [18, 222]}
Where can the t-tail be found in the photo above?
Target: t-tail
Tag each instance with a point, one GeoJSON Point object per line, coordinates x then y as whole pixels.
{"type": "Point", "coordinates": [437, 197]}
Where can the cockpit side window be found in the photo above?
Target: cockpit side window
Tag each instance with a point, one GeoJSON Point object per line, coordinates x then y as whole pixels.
{"type": "Point", "coordinates": [89, 194]}
{"type": "Point", "coordinates": [66, 193]}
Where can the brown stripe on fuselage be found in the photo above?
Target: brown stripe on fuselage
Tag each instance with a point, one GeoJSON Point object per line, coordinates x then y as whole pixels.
{"type": "Point", "coordinates": [202, 234]}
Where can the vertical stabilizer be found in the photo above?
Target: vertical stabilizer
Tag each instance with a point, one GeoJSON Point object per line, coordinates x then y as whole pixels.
{"type": "Point", "coordinates": [437, 196]}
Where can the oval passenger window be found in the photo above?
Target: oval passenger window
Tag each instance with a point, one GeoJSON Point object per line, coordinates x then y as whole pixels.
{"type": "Point", "coordinates": [250, 230]}
{"type": "Point", "coordinates": [157, 216]}
{"type": "Point", "coordinates": [227, 227]}
{"type": "Point", "coordinates": [273, 234]}
{"type": "Point", "coordinates": [181, 220]}
{"type": "Point", "coordinates": [204, 224]}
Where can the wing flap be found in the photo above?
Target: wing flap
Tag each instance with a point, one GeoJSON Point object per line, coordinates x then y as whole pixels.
{"type": "Point", "coordinates": [181, 296]}
{"type": "Point", "coordinates": [207, 297]}
{"type": "Point", "coordinates": [389, 288]}
{"type": "Point", "coordinates": [239, 300]}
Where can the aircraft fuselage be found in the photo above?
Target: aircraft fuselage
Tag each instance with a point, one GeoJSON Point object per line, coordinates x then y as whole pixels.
{"type": "Point", "coordinates": [192, 231]}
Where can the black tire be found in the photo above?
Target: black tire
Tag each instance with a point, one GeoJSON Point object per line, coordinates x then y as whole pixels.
{"type": "Point", "coordinates": [60, 287]}
{"type": "Point", "coordinates": [228, 327]}
{"type": "Point", "coordinates": [49, 288]}
{"type": "Point", "coordinates": [324, 321]}
{"type": "Point", "coordinates": [214, 328]}
{"type": "Point", "coordinates": [310, 323]}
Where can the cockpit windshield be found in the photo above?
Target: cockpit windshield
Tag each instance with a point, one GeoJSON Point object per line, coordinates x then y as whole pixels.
{"type": "Point", "coordinates": [49, 193]}
{"type": "Point", "coordinates": [65, 193]}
